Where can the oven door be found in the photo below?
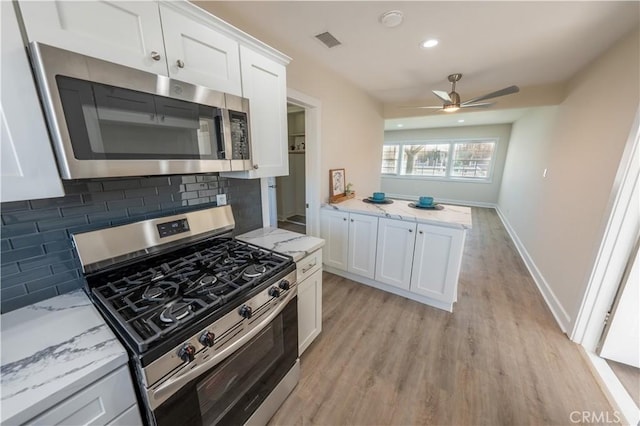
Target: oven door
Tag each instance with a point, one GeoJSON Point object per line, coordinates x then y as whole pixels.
{"type": "Point", "coordinates": [230, 392]}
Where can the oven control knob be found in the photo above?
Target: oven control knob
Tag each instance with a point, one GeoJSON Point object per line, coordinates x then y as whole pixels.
{"type": "Point", "coordinates": [245, 311]}
{"type": "Point", "coordinates": [274, 292]}
{"type": "Point", "coordinates": [284, 284]}
{"type": "Point", "coordinates": [207, 338]}
{"type": "Point", "coordinates": [187, 352]}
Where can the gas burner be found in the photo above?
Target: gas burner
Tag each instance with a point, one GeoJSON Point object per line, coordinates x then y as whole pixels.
{"type": "Point", "coordinates": [175, 312]}
{"type": "Point", "coordinates": [219, 290]}
{"type": "Point", "coordinates": [253, 271]}
{"type": "Point", "coordinates": [154, 294]}
{"type": "Point", "coordinates": [207, 280]}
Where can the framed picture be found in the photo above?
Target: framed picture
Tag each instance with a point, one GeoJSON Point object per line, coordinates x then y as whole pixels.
{"type": "Point", "coordinates": [336, 182]}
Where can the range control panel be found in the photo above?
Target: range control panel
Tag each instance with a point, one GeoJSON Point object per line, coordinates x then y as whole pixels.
{"type": "Point", "coordinates": [168, 229]}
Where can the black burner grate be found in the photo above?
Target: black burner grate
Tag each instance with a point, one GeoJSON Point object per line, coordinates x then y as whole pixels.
{"type": "Point", "coordinates": [158, 296]}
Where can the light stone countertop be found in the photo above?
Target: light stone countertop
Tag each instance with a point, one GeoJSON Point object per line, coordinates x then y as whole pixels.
{"type": "Point", "coordinates": [286, 242]}
{"type": "Point", "coordinates": [51, 350]}
{"type": "Point", "coordinates": [451, 216]}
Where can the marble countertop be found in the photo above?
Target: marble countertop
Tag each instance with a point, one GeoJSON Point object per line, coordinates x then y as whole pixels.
{"type": "Point", "coordinates": [451, 216]}
{"type": "Point", "coordinates": [51, 350]}
{"type": "Point", "coordinates": [295, 245]}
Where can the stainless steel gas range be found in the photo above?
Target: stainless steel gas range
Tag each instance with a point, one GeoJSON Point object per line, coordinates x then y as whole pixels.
{"type": "Point", "coordinates": [210, 322]}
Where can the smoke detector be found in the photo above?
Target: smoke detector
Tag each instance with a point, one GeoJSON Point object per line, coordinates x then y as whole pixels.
{"type": "Point", "coordinates": [392, 18]}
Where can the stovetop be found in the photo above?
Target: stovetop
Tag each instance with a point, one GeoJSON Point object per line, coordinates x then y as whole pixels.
{"type": "Point", "coordinates": [159, 297]}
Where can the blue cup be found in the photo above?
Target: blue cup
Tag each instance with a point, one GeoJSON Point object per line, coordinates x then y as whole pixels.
{"type": "Point", "coordinates": [378, 196]}
{"type": "Point", "coordinates": [425, 201]}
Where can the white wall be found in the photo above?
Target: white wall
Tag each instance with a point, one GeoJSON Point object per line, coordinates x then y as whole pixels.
{"type": "Point", "coordinates": [463, 192]}
{"type": "Point", "coordinates": [558, 220]}
{"type": "Point", "coordinates": [352, 122]}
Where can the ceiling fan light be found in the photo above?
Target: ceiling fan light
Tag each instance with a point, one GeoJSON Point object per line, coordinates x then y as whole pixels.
{"type": "Point", "coordinates": [450, 108]}
{"type": "Point", "coordinates": [432, 42]}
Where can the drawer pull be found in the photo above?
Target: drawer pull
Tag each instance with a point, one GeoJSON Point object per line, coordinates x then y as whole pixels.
{"type": "Point", "coordinates": [309, 266]}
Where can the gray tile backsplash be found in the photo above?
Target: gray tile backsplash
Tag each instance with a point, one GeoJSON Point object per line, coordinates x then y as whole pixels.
{"type": "Point", "coordinates": [38, 260]}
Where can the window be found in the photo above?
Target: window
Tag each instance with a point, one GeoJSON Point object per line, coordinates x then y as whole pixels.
{"type": "Point", "coordinates": [455, 160]}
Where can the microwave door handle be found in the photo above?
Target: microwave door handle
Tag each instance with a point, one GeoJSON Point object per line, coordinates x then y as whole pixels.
{"type": "Point", "coordinates": [225, 131]}
{"type": "Point", "coordinates": [162, 392]}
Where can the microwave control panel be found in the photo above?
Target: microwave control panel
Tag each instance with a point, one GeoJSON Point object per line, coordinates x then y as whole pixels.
{"type": "Point", "coordinates": [239, 135]}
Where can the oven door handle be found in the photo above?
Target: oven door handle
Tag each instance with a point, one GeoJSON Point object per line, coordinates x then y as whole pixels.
{"type": "Point", "coordinates": [163, 391]}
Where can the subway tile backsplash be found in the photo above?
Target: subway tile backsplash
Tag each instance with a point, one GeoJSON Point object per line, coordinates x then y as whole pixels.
{"type": "Point", "coordinates": [38, 260]}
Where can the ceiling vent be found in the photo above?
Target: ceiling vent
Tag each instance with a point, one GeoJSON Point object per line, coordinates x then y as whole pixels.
{"type": "Point", "coordinates": [328, 39]}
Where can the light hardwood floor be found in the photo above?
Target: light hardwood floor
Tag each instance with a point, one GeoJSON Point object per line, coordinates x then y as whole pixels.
{"type": "Point", "coordinates": [629, 377]}
{"type": "Point", "coordinates": [498, 359]}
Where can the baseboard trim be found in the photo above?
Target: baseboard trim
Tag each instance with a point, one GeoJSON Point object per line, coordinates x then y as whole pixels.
{"type": "Point", "coordinates": [390, 289]}
{"type": "Point", "coordinates": [613, 389]}
{"type": "Point", "coordinates": [562, 318]}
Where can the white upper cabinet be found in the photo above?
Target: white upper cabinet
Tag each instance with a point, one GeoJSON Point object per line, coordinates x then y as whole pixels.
{"type": "Point", "coordinates": [436, 264]}
{"type": "Point", "coordinates": [198, 54]}
{"type": "Point", "coordinates": [127, 33]}
{"type": "Point", "coordinates": [394, 259]}
{"type": "Point", "coordinates": [264, 83]}
{"type": "Point", "coordinates": [28, 169]}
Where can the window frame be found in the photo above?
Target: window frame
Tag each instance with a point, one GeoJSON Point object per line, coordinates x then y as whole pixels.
{"type": "Point", "coordinates": [450, 159]}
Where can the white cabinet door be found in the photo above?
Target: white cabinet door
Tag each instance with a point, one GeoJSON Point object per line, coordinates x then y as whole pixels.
{"type": "Point", "coordinates": [122, 32]}
{"type": "Point", "coordinates": [28, 167]}
{"type": "Point", "coordinates": [362, 244]}
{"type": "Point", "coordinates": [396, 239]}
{"type": "Point", "coordinates": [198, 54]}
{"type": "Point", "coordinates": [264, 83]}
{"type": "Point", "coordinates": [309, 310]}
{"type": "Point", "coordinates": [436, 265]}
{"type": "Point", "coordinates": [334, 229]}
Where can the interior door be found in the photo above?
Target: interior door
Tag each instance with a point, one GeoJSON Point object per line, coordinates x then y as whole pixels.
{"type": "Point", "coordinates": [622, 335]}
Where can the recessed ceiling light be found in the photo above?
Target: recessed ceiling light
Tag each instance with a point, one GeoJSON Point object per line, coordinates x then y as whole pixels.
{"type": "Point", "coordinates": [400, 125]}
{"type": "Point", "coordinates": [430, 43]}
{"type": "Point", "coordinates": [460, 121]}
{"type": "Point", "coordinates": [392, 18]}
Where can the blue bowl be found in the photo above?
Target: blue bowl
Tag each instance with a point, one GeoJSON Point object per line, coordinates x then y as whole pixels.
{"type": "Point", "coordinates": [425, 201]}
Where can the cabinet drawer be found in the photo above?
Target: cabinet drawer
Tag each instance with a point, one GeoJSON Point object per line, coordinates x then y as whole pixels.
{"type": "Point", "coordinates": [97, 404]}
{"type": "Point", "coordinates": [308, 265]}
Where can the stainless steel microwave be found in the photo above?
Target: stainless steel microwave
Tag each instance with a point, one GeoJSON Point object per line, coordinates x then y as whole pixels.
{"type": "Point", "coordinates": [108, 120]}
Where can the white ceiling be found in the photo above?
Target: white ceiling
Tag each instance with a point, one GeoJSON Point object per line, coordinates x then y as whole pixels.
{"type": "Point", "coordinates": [494, 44]}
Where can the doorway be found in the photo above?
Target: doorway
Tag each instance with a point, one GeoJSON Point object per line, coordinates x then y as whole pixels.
{"type": "Point", "coordinates": [608, 279]}
{"type": "Point", "coordinates": [290, 190]}
{"type": "Point", "coordinates": [271, 211]}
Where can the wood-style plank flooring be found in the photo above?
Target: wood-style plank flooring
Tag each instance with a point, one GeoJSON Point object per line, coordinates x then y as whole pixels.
{"type": "Point", "coordinates": [498, 359]}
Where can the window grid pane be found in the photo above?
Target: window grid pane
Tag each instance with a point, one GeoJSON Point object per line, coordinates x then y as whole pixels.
{"type": "Point", "coordinates": [472, 160]}
{"type": "Point", "coordinates": [425, 160]}
{"type": "Point", "coordinates": [389, 158]}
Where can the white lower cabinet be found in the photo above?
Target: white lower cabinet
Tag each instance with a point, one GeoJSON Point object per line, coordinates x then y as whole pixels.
{"type": "Point", "coordinates": [394, 258]}
{"type": "Point", "coordinates": [415, 260]}
{"type": "Point", "coordinates": [350, 241]}
{"type": "Point", "coordinates": [111, 400]}
{"type": "Point", "coordinates": [436, 262]}
{"type": "Point", "coordinates": [361, 258]}
{"type": "Point", "coordinates": [334, 229]}
{"type": "Point", "coordinates": [309, 277]}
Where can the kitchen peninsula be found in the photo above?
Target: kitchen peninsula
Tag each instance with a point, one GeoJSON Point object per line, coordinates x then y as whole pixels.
{"type": "Point", "coordinates": [415, 253]}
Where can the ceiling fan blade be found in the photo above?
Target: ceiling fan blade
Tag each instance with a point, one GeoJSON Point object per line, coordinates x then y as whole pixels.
{"type": "Point", "coordinates": [480, 105]}
{"type": "Point", "coordinates": [442, 95]}
{"type": "Point", "coordinates": [422, 107]}
{"type": "Point", "coordinates": [502, 92]}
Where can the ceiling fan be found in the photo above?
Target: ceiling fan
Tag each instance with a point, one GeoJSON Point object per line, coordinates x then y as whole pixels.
{"type": "Point", "coordinates": [451, 100]}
